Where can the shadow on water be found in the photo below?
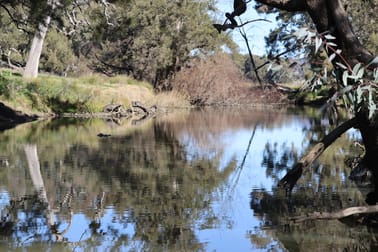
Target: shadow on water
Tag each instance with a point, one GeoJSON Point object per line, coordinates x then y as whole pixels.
{"type": "Point", "coordinates": [174, 183]}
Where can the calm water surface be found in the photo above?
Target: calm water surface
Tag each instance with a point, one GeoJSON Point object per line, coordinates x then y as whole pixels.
{"type": "Point", "coordinates": [191, 180]}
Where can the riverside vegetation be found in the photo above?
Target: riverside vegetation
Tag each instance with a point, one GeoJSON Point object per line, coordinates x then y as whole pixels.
{"type": "Point", "coordinates": [216, 81]}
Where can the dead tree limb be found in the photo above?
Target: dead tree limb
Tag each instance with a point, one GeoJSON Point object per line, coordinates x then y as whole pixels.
{"type": "Point", "coordinates": [292, 176]}
{"type": "Point", "coordinates": [146, 111]}
{"type": "Point", "coordinates": [337, 215]}
{"type": "Point", "coordinates": [226, 26]}
{"type": "Point", "coordinates": [244, 35]}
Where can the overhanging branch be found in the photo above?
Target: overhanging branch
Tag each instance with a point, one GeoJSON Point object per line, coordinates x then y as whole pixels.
{"type": "Point", "coordinates": [292, 176]}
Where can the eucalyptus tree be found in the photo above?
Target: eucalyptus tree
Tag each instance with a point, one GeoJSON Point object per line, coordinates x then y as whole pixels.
{"type": "Point", "coordinates": [35, 17]}
{"type": "Point", "coordinates": [356, 70]}
{"type": "Point", "coordinates": [353, 65]}
{"type": "Point", "coordinates": [154, 39]}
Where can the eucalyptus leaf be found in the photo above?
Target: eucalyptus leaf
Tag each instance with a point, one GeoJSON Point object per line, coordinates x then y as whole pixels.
{"type": "Point", "coordinates": [332, 57]}
{"type": "Point", "coordinates": [359, 95]}
{"type": "Point", "coordinates": [331, 44]}
{"type": "Point", "coordinates": [341, 65]}
{"type": "Point", "coordinates": [356, 68]}
{"type": "Point", "coordinates": [329, 37]}
{"type": "Point", "coordinates": [374, 61]}
{"type": "Point", "coordinates": [372, 109]}
{"type": "Point", "coordinates": [360, 73]}
{"type": "Point", "coordinates": [345, 78]}
{"type": "Point", "coordinates": [318, 44]}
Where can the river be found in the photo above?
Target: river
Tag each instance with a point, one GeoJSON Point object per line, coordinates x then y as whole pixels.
{"type": "Point", "coordinates": [190, 180]}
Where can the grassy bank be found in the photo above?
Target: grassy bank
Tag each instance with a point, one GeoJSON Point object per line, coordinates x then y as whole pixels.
{"type": "Point", "coordinates": [54, 94]}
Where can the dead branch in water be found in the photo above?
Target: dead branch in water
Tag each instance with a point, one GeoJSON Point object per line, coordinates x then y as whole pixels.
{"type": "Point", "coordinates": [337, 215]}
{"type": "Point", "coordinates": [292, 176]}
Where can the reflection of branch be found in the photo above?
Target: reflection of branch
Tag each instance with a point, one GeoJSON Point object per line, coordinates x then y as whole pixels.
{"type": "Point", "coordinates": [244, 158]}
{"type": "Point", "coordinates": [295, 173]}
{"type": "Point", "coordinates": [337, 215]}
{"type": "Point", "coordinates": [249, 145]}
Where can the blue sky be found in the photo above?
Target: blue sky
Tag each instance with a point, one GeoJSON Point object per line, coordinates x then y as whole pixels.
{"type": "Point", "coordinates": [256, 31]}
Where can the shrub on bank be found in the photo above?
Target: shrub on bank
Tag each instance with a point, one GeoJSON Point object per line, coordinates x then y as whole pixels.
{"type": "Point", "coordinates": [215, 80]}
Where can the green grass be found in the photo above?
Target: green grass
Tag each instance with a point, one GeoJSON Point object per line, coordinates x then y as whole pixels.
{"type": "Point", "coordinates": [49, 93]}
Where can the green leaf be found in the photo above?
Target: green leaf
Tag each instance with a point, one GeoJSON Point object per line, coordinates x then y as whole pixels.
{"type": "Point", "coordinates": [345, 78]}
{"type": "Point", "coordinates": [329, 37]}
{"type": "Point", "coordinates": [331, 44]}
{"type": "Point", "coordinates": [374, 61]}
{"type": "Point", "coordinates": [360, 73]}
{"type": "Point", "coordinates": [341, 65]}
{"type": "Point", "coordinates": [318, 44]}
{"type": "Point", "coordinates": [359, 95]}
{"type": "Point", "coordinates": [332, 57]}
{"type": "Point", "coordinates": [356, 68]}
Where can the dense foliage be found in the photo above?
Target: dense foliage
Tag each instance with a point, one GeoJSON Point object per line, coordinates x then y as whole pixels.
{"type": "Point", "coordinates": [296, 35]}
{"type": "Point", "coordinates": [361, 14]}
{"type": "Point", "coordinates": [148, 40]}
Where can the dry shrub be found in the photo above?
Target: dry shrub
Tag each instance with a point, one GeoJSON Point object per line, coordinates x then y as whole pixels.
{"type": "Point", "coordinates": [215, 80]}
{"type": "Point", "coordinates": [171, 99]}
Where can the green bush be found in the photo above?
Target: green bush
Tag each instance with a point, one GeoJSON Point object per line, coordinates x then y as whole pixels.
{"type": "Point", "coordinates": [57, 56]}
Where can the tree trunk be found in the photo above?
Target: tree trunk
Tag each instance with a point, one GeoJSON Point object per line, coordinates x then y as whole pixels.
{"type": "Point", "coordinates": [31, 69]}
{"type": "Point", "coordinates": [369, 133]}
{"type": "Point", "coordinates": [329, 16]}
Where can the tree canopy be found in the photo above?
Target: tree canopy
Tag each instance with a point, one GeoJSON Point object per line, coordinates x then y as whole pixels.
{"type": "Point", "coordinates": [147, 40]}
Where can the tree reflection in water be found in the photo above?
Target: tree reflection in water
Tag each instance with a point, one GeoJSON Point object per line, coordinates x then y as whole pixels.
{"type": "Point", "coordinates": [143, 177]}
{"type": "Point", "coordinates": [154, 186]}
{"type": "Point", "coordinates": [325, 188]}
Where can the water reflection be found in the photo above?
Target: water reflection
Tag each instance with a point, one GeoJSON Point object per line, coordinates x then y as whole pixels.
{"type": "Point", "coordinates": [188, 181]}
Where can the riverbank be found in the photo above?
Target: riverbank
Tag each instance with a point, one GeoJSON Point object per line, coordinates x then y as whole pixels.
{"type": "Point", "coordinates": [50, 95]}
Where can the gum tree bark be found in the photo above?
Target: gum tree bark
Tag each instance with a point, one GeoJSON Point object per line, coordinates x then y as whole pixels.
{"type": "Point", "coordinates": [31, 68]}
{"type": "Point", "coordinates": [330, 16]}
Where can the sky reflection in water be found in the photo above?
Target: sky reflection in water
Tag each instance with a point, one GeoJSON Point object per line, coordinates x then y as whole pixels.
{"type": "Point", "coordinates": [221, 136]}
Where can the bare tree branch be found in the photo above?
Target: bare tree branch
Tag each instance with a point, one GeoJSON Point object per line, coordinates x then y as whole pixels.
{"type": "Point", "coordinates": [292, 176]}
{"type": "Point", "coordinates": [336, 215]}
{"type": "Point", "coordinates": [288, 5]}
{"type": "Point", "coordinates": [244, 35]}
{"type": "Point", "coordinates": [106, 5]}
{"type": "Point", "coordinates": [225, 26]}
{"type": "Point", "coordinates": [16, 21]}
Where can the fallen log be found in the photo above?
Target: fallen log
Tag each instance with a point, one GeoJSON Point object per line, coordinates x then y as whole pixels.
{"type": "Point", "coordinates": [147, 111]}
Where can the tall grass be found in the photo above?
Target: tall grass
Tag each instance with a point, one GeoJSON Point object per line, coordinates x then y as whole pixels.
{"type": "Point", "coordinates": [49, 93]}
